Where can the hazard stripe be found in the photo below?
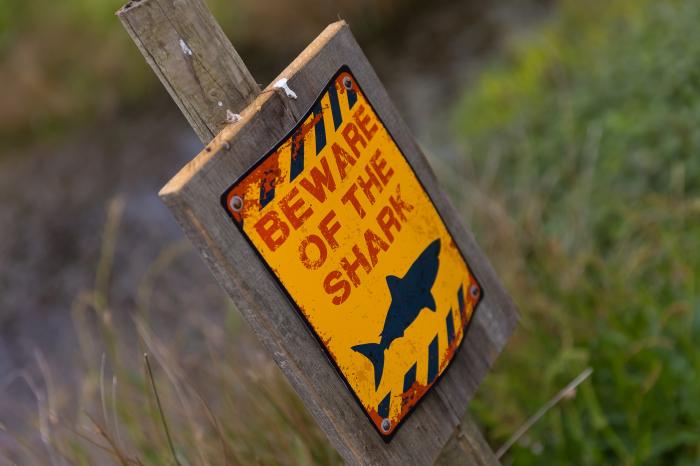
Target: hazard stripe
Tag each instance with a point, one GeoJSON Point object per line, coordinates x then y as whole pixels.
{"type": "Point", "coordinates": [383, 407]}
{"type": "Point", "coordinates": [433, 360]}
{"type": "Point", "coordinates": [460, 298]}
{"type": "Point", "coordinates": [297, 150]}
{"type": "Point", "coordinates": [335, 106]}
{"type": "Point", "coordinates": [297, 156]}
{"type": "Point", "coordinates": [319, 127]}
{"type": "Point", "coordinates": [265, 196]}
{"type": "Point", "coordinates": [352, 97]}
{"type": "Point", "coordinates": [450, 327]}
{"type": "Point", "coordinates": [410, 377]}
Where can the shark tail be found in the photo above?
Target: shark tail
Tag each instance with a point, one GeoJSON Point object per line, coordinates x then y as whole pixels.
{"type": "Point", "coordinates": [375, 353]}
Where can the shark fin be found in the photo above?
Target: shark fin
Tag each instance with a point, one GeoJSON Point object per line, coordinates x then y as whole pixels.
{"type": "Point", "coordinates": [375, 353]}
{"type": "Point", "coordinates": [430, 302]}
{"type": "Point", "coordinates": [392, 282]}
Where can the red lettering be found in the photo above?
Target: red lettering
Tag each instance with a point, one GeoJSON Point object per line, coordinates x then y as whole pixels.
{"type": "Point", "coordinates": [350, 268]}
{"type": "Point", "coordinates": [321, 180]}
{"type": "Point", "coordinates": [304, 256]}
{"type": "Point", "coordinates": [353, 137]}
{"type": "Point", "coordinates": [379, 164]}
{"type": "Point", "coordinates": [333, 283]}
{"type": "Point", "coordinates": [386, 220]}
{"type": "Point", "coordinates": [342, 160]}
{"type": "Point", "coordinates": [366, 186]}
{"type": "Point", "coordinates": [362, 122]}
{"type": "Point", "coordinates": [290, 211]}
{"type": "Point", "coordinates": [374, 245]}
{"type": "Point", "coordinates": [350, 196]}
{"type": "Point", "coordinates": [328, 231]}
{"type": "Point", "coordinates": [272, 230]}
{"type": "Point", "coordinates": [399, 205]}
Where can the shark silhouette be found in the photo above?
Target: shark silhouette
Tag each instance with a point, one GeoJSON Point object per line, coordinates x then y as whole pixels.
{"type": "Point", "coordinates": [409, 296]}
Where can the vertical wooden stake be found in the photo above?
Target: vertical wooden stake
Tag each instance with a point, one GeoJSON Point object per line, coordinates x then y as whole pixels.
{"type": "Point", "coordinates": [193, 58]}
{"type": "Point", "coordinates": [205, 76]}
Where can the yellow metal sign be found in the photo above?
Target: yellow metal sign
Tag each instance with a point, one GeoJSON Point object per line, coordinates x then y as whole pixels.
{"type": "Point", "coordinates": [340, 218]}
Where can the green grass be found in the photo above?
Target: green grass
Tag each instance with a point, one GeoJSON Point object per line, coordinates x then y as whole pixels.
{"type": "Point", "coordinates": [582, 159]}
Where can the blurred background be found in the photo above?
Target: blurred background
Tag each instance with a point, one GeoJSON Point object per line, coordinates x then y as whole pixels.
{"type": "Point", "coordinates": [565, 132]}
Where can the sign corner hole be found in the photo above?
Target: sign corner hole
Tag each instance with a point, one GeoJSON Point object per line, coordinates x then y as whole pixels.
{"type": "Point", "coordinates": [236, 203]}
{"type": "Point", "coordinates": [386, 425]}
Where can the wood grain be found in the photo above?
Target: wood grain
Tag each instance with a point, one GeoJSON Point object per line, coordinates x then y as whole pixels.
{"type": "Point", "coordinates": [193, 58]}
{"type": "Point", "coordinates": [193, 197]}
{"type": "Point", "coordinates": [467, 447]}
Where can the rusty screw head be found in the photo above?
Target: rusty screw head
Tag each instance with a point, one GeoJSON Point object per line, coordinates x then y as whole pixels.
{"type": "Point", "coordinates": [347, 82]}
{"type": "Point", "coordinates": [474, 291]}
{"type": "Point", "coordinates": [386, 425]}
{"type": "Point", "coordinates": [236, 203]}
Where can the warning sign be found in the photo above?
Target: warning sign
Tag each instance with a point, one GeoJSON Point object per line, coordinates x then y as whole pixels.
{"type": "Point", "coordinates": [340, 218]}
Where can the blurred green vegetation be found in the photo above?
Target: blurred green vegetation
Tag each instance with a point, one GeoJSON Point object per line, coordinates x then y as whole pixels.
{"type": "Point", "coordinates": [65, 63]}
{"type": "Point", "coordinates": [583, 152]}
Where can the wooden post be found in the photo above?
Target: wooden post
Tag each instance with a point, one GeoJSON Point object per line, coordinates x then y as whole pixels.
{"type": "Point", "coordinates": [467, 447]}
{"type": "Point", "coordinates": [194, 60]}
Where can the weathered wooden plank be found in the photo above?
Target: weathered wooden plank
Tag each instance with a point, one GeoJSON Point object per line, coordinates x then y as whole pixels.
{"type": "Point", "coordinates": [193, 196]}
{"type": "Point", "coordinates": [193, 58]}
{"type": "Point", "coordinates": [467, 447]}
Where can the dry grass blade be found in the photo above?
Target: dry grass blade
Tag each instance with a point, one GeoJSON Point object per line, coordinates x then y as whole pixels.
{"type": "Point", "coordinates": [104, 267]}
{"type": "Point", "coordinates": [564, 392]}
{"type": "Point", "coordinates": [103, 402]}
{"type": "Point", "coordinates": [24, 448]}
{"type": "Point", "coordinates": [217, 427]}
{"type": "Point", "coordinates": [115, 415]}
{"type": "Point", "coordinates": [160, 409]}
{"type": "Point", "coordinates": [42, 414]}
{"type": "Point", "coordinates": [114, 450]}
{"type": "Point", "coordinates": [92, 442]}
{"type": "Point", "coordinates": [174, 373]}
